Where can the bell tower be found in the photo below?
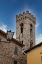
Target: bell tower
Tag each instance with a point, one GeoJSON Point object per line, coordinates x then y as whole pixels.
{"type": "Point", "coordinates": [25, 29]}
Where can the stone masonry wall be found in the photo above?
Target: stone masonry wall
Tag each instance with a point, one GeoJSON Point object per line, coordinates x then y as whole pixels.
{"type": "Point", "coordinates": [26, 18]}
{"type": "Point", "coordinates": [7, 55]}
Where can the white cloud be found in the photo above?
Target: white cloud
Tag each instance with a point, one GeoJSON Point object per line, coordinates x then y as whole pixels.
{"type": "Point", "coordinates": [37, 24]}
{"type": "Point", "coordinates": [39, 39]}
{"type": "Point", "coordinates": [14, 36]}
{"type": "Point", "coordinates": [3, 27]}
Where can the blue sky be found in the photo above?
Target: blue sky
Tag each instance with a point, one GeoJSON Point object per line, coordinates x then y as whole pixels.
{"type": "Point", "coordinates": [10, 8]}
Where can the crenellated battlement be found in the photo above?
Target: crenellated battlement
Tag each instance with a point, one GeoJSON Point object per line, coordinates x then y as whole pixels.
{"type": "Point", "coordinates": [25, 15]}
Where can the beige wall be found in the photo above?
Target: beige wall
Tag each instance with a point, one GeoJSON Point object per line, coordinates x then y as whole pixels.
{"type": "Point", "coordinates": [34, 56]}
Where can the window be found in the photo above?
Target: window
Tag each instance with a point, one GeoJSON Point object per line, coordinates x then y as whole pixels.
{"type": "Point", "coordinates": [0, 40]}
{"type": "Point", "coordinates": [31, 44]}
{"type": "Point", "coordinates": [16, 50]}
{"type": "Point", "coordinates": [22, 28]}
{"type": "Point", "coordinates": [31, 30]}
{"type": "Point", "coordinates": [31, 25]}
{"type": "Point", "coordinates": [41, 58]}
{"type": "Point", "coordinates": [15, 62]}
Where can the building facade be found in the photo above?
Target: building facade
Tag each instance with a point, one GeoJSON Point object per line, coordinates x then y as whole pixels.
{"type": "Point", "coordinates": [25, 29]}
{"type": "Point", "coordinates": [34, 55]}
{"type": "Point", "coordinates": [10, 52]}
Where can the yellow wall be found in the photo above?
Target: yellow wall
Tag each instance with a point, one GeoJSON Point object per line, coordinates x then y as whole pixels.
{"type": "Point", "coordinates": [34, 56]}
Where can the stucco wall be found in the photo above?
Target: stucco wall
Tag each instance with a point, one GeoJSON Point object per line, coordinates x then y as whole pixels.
{"type": "Point", "coordinates": [34, 56]}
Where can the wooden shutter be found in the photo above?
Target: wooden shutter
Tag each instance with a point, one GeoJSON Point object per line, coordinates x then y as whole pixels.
{"type": "Point", "coordinates": [0, 39]}
{"type": "Point", "coordinates": [15, 62]}
{"type": "Point", "coordinates": [16, 50]}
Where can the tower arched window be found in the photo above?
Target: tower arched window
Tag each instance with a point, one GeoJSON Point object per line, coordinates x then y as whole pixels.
{"type": "Point", "coordinates": [21, 27]}
{"type": "Point", "coordinates": [31, 30]}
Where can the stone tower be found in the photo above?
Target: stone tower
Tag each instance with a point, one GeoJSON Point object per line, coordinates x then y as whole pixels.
{"type": "Point", "coordinates": [25, 29]}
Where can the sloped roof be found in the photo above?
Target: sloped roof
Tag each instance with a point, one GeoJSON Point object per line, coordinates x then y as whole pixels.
{"type": "Point", "coordinates": [33, 47]}
{"type": "Point", "coordinates": [13, 39]}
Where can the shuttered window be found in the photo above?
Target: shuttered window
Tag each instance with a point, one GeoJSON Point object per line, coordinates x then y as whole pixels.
{"type": "Point", "coordinates": [0, 39]}
{"type": "Point", "coordinates": [16, 50]}
{"type": "Point", "coordinates": [15, 62]}
{"type": "Point", "coordinates": [41, 59]}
